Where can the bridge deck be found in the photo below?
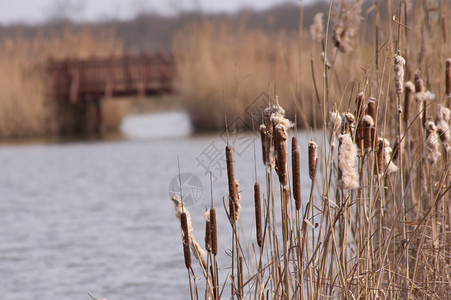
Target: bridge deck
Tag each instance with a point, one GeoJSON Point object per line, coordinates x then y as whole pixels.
{"type": "Point", "coordinates": [129, 75]}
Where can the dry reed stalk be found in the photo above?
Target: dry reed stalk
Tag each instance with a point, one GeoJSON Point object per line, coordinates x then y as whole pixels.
{"type": "Point", "coordinates": [312, 158]}
{"type": "Point", "coordinates": [207, 231]}
{"type": "Point", "coordinates": [296, 171]}
{"type": "Point", "coordinates": [359, 113]}
{"type": "Point", "coordinates": [448, 77]}
{"type": "Point", "coordinates": [408, 95]}
{"type": "Point", "coordinates": [213, 232]}
{"type": "Point", "coordinates": [185, 239]}
{"type": "Point", "coordinates": [280, 144]}
{"type": "Point", "coordinates": [258, 215]}
{"type": "Point", "coordinates": [234, 206]}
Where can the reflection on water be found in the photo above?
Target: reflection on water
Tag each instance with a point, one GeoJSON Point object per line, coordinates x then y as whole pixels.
{"type": "Point", "coordinates": [96, 217]}
{"type": "Point", "coordinates": [172, 124]}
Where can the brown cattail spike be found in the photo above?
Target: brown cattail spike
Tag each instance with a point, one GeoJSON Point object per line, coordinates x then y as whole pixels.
{"type": "Point", "coordinates": [213, 232]}
{"type": "Point", "coordinates": [296, 169]}
{"type": "Point", "coordinates": [280, 141]}
{"type": "Point", "coordinates": [368, 125]}
{"type": "Point", "coordinates": [258, 215]}
{"type": "Point", "coordinates": [312, 158]}
{"type": "Point", "coordinates": [265, 144]}
{"type": "Point", "coordinates": [207, 231]}
{"type": "Point", "coordinates": [448, 77]}
{"type": "Point", "coordinates": [185, 239]}
{"type": "Point", "coordinates": [233, 197]}
{"type": "Point", "coordinates": [371, 108]}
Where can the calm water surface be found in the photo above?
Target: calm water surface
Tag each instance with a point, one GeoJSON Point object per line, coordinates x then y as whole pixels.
{"type": "Point", "coordinates": [96, 217]}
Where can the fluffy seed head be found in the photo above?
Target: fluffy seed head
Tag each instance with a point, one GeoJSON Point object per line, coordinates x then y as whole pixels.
{"type": "Point", "coordinates": [317, 29]}
{"type": "Point", "coordinates": [432, 143]}
{"type": "Point", "coordinates": [348, 177]}
{"type": "Point", "coordinates": [398, 72]}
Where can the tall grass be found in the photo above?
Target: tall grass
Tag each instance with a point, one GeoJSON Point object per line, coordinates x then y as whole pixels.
{"type": "Point", "coordinates": [377, 222]}
{"type": "Point", "coordinates": [23, 109]}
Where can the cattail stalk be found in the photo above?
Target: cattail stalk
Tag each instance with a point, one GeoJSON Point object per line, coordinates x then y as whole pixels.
{"type": "Point", "coordinates": [296, 170]}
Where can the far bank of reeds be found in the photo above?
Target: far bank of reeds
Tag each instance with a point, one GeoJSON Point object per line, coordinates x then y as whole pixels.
{"type": "Point", "coordinates": [23, 109]}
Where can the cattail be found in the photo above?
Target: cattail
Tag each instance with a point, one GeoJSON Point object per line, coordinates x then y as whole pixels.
{"type": "Point", "coordinates": [348, 177]}
{"type": "Point", "coordinates": [390, 166]}
{"type": "Point", "coordinates": [395, 148]}
{"type": "Point", "coordinates": [334, 120]}
{"type": "Point", "coordinates": [233, 197]}
{"type": "Point", "coordinates": [432, 144]}
{"type": "Point", "coordinates": [265, 145]}
{"type": "Point", "coordinates": [398, 72]}
{"type": "Point", "coordinates": [312, 158]}
{"type": "Point", "coordinates": [379, 159]}
{"type": "Point", "coordinates": [410, 89]}
{"type": "Point", "coordinates": [280, 140]}
{"type": "Point", "coordinates": [258, 215]}
{"type": "Point", "coordinates": [368, 125]}
{"type": "Point", "coordinates": [198, 252]}
{"type": "Point", "coordinates": [419, 93]}
{"type": "Point", "coordinates": [359, 112]}
{"type": "Point", "coordinates": [185, 239]}
{"type": "Point", "coordinates": [207, 231]}
{"type": "Point", "coordinates": [296, 169]}
{"type": "Point", "coordinates": [348, 123]}
{"type": "Point", "coordinates": [371, 109]}
{"type": "Point", "coordinates": [269, 136]}
{"type": "Point", "coordinates": [443, 129]}
{"type": "Point", "coordinates": [317, 29]}
{"type": "Point", "coordinates": [448, 77]}
{"type": "Point", "coordinates": [213, 232]}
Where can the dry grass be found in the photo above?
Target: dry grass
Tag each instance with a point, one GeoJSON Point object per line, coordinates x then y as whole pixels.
{"type": "Point", "coordinates": [23, 111]}
{"type": "Point", "coordinates": [377, 222]}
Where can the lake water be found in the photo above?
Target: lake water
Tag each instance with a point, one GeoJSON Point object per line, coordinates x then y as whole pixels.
{"type": "Point", "coordinates": [96, 217]}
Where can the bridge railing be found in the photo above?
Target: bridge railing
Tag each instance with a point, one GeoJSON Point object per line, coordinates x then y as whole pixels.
{"type": "Point", "coordinates": [73, 80]}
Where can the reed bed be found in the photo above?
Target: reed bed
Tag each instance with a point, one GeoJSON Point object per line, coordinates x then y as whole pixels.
{"type": "Point", "coordinates": [377, 221]}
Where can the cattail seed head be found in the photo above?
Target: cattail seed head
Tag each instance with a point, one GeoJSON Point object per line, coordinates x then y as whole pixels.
{"type": "Point", "coordinates": [258, 214]}
{"type": "Point", "coordinates": [348, 177]}
{"type": "Point", "coordinates": [213, 232]}
{"type": "Point", "coordinates": [368, 125]}
{"type": "Point", "coordinates": [389, 164]}
{"type": "Point", "coordinates": [316, 29]}
{"type": "Point", "coordinates": [348, 123]}
{"type": "Point", "coordinates": [207, 231]}
{"type": "Point", "coordinates": [371, 109]}
{"type": "Point", "coordinates": [265, 144]}
{"type": "Point", "coordinates": [280, 140]}
{"type": "Point", "coordinates": [410, 90]}
{"type": "Point", "coordinates": [398, 73]}
{"type": "Point", "coordinates": [233, 193]}
{"type": "Point", "coordinates": [334, 120]}
{"type": "Point", "coordinates": [296, 170]}
{"type": "Point", "coordinates": [185, 239]}
{"type": "Point", "coordinates": [312, 158]}
{"type": "Point", "coordinates": [432, 143]}
{"type": "Point", "coordinates": [443, 127]}
{"type": "Point", "coordinates": [448, 77]}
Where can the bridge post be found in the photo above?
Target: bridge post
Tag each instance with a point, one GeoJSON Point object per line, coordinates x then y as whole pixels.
{"type": "Point", "coordinates": [93, 111]}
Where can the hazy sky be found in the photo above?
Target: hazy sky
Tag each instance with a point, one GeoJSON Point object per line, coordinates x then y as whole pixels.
{"type": "Point", "coordinates": [32, 11]}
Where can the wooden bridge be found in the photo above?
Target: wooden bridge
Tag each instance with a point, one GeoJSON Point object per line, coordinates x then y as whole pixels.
{"type": "Point", "coordinates": [87, 82]}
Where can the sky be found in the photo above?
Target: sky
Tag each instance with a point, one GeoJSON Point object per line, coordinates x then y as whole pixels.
{"type": "Point", "coordinates": [35, 11]}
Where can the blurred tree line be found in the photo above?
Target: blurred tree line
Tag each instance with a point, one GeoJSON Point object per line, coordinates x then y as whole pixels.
{"type": "Point", "coordinates": [153, 32]}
